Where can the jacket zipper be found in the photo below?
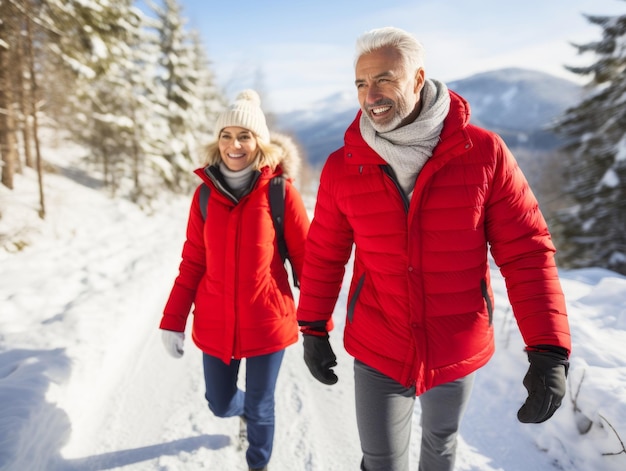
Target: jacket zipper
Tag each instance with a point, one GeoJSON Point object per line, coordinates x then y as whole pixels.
{"type": "Point", "coordinates": [392, 175]}
{"type": "Point", "coordinates": [390, 172]}
{"type": "Point", "coordinates": [214, 176]}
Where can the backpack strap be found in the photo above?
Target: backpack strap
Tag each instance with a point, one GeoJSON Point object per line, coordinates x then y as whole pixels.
{"type": "Point", "coordinates": [277, 208]}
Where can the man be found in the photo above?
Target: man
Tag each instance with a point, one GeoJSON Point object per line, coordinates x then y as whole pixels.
{"type": "Point", "coordinates": [422, 193]}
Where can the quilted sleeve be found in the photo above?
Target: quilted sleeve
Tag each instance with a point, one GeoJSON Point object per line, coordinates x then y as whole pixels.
{"type": "Point", "coordinates": [328, 249]}
{"type": "Point", "coordinates": [522, 247]}
{"type": "Point", "coordinates": [191, 270]}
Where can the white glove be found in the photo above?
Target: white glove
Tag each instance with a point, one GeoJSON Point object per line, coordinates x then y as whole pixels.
{"type": "Point", "coordinates": [173, 342]}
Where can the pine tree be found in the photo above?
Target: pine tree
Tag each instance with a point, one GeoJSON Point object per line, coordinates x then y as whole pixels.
{"type": "Point", "coordinates": [147, 110]}
{"type": "Point", "coordinates": [209, 100]}
{"type": "Point", "coordinates": [93, 43]}
{"type": "Point", "coordinates": [179, 78]}
{"type": "Point", "coordinates": [592, 233]}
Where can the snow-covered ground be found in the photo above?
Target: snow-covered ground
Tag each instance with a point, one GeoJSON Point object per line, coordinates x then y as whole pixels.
{"type": "Point", "coordinates": [85, 383]}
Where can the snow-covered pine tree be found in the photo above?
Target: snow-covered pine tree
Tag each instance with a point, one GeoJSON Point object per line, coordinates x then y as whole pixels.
{"type": "Point", "coordinates": [179, 77]}
{"type": "Point", "coordinates": [111, 102]}
{"type": "Point", "coordinates": [147, 110]}
{"type": "Point", "coordinates": [209, 98]}
{"type": "Point", "coordinates": [93, 41]}
{"type": "Point", "coordinates": [592, 232]}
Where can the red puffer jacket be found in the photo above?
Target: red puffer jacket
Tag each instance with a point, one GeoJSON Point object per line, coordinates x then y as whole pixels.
{"type": "Point", "coordinates": [232, 272]}
{"type": "Point", "coordinates": [420, 301]}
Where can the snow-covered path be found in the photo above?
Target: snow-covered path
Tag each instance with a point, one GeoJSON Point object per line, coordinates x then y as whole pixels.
{"type": "Point", "coordinates": [85, 383]}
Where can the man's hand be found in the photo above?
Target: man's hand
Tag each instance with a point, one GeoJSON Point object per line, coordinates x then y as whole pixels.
{"type": "Point", "coordinates": [545, 382]}
{"type": "Point", "coordinates": [320, 358]}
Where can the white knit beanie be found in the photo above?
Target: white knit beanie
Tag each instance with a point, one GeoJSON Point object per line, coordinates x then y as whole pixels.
{"type": "Point", "coordinates": [245, 112]}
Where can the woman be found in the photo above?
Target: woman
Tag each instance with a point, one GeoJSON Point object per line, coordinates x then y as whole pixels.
{"type": "Point", "coordinates": [233, 274]}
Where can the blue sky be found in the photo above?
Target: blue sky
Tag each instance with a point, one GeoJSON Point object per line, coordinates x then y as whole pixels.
{"type": "Point", "coordinates": [297, 53]}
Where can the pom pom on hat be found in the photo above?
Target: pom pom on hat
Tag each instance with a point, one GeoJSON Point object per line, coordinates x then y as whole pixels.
{"type": "Point", "coordinates": [249, 95]}
{"type": "Point", "coordinates": [245, 112]}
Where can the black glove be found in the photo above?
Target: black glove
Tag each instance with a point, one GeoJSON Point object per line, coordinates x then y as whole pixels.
{"type": "Point", "coordinates": [545, 382]}
{"type": "Point", "coordinates": [319, 358]}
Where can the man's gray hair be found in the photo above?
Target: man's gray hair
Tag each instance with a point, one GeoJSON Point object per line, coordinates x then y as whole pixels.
{"type": "Point", "coordinates": [410, 48]}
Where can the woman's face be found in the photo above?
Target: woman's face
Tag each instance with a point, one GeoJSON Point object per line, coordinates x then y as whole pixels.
{"type": "Point", "coordinates": [238, 147]}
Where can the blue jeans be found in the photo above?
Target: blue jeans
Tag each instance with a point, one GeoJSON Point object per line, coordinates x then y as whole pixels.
{"type": "Point", "coordinates": [256, 404]}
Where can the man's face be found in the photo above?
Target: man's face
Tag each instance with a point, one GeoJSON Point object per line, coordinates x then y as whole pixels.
{"type": "Point", "coordinates": [387, 92]}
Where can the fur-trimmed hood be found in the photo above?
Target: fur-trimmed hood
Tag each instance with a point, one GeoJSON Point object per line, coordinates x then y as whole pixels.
{"type": "Point", "coordinates": [289, 160]}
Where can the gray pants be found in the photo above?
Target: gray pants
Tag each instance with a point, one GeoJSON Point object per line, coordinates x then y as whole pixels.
{"type": "Point", "coordinates": [384, 409]}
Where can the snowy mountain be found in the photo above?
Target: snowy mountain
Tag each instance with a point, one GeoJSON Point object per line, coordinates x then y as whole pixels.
{"type": "Point", "coordinates": [320, 129]}
{"type": "Point", "coordinates": [516, 103]}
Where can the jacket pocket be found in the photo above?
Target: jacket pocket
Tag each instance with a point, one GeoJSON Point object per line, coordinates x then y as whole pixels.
{"type": "Point", "coordinates": [485, 291]}
{"type": "Point", "coordinates": [355, 297]}
{"type": "Point", "coordinates": [276, 297]}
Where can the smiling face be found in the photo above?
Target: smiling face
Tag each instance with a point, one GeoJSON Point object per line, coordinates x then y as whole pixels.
{"type": "Point", "coordinates": [387, 92]}
{"type": "Point", "coordinates": [238, 147]}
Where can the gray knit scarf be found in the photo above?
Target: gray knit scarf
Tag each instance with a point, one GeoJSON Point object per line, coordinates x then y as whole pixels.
{"type": "Point", "coordinates": [407, 148]}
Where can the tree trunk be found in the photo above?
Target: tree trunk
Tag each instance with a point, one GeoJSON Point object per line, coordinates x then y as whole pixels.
{"type": "Point", "coordinates": [30, 58]}
{"type": "Point", "coordinates": [8, 142]}
{"type": "Point", "coordinates": [136, 157]}
{"type": "Point", "coordinates": [27, 97]}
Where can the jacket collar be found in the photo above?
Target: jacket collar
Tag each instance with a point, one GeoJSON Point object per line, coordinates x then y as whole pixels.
{"type": "Point", "coordinates": [212, 176]}
{"type": "Point", "coordinates": [452, 141]}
